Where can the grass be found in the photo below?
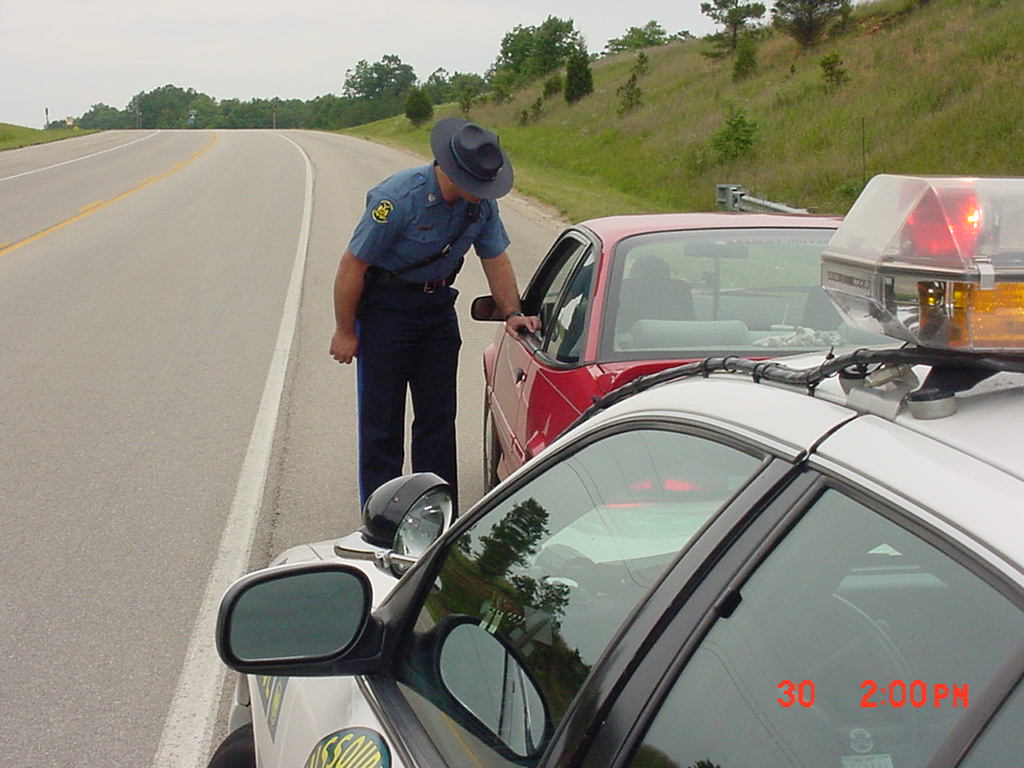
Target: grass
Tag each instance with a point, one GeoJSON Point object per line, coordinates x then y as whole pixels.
{"type": "Point", "coordinates": [931, 90]}
{"type": "Point", "coordinates": [14, 136]}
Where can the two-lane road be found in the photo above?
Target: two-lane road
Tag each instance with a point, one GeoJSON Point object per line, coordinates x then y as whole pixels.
{"type": "Point", "coordinates": [169, 415]}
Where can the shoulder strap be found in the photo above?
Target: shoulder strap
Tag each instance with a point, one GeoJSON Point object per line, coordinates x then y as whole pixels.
{"type": "Point", "coordinates": [472, 214]}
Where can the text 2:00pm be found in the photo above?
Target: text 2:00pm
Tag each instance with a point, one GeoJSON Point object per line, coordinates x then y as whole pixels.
{"type": "Point", "coordinates": [896, 693]}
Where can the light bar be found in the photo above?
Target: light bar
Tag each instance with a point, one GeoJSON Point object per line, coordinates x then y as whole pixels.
{"type": "Point", "coordinates": [935, 261]}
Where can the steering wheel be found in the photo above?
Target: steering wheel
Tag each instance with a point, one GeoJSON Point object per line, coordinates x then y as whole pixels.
{"type": "Point", "coordinates": [563, 564]}
{"type": "Point", "coordinates": [868, 653]}
{"type": "Point", "coordinates": [600, 586]}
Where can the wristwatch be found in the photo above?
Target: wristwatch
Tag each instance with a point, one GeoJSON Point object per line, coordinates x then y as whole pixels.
{"type": "Point", "coordinates": [514, 313]}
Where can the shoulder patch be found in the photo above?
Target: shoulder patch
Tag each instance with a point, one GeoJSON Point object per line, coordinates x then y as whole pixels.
{"type": "Point", "coordinates": [383, 211]}
{"type": "Point", "coordinates": [350, 748]}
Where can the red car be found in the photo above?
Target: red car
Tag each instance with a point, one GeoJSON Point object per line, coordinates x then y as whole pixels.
{"type": "Point", "coordinates": [623, 296]}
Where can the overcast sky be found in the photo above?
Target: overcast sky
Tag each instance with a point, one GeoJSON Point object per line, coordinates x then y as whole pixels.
{"type": "Point", "coordinates": [66, 55]}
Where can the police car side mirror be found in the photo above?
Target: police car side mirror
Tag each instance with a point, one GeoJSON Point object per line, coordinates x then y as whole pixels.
{"type": "Point", "coordinates": [305, 619]}
{"type": "Point", "coordinates": [490, 687]}
{"type": "Point", "coordinates": [485, 308]}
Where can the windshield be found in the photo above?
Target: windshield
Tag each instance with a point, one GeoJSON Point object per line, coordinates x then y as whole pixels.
{"type": "Point", "coordinates": [750, 292]}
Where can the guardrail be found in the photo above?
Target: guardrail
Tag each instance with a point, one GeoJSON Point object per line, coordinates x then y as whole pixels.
{"type": "Point", "coordinates": [733, 197]}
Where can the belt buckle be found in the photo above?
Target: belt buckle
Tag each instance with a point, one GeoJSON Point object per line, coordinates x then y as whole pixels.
{"type": "Point", "coordinates": [430, 287]}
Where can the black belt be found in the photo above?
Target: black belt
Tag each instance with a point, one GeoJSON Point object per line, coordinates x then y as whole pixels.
{"type": "Point", "coordinates": [383, 278]}
{"type": "Point", "coordinates": [394, 283]}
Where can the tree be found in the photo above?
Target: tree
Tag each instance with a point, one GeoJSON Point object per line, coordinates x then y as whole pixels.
{"type": "Point", "coordinates": [531, 52]}
{"type": "Point", "coordinates": [441, 87]}
{"type": "Point", "coordinates": [512, 540]}
{"type": "Point", "coordinates": [515, 53]}
{"type": "Point", "coordinates": [806, 20]}
{"type": "Point", "coordinates": [235, 113]}
{"type": "Point", "coordinates": [327, 112]}
{"type": "Point", "coordinates": [375, 91]}
{"type": "Point", "coordinates": [388, 77]}
{"type": "Point", "coordinates": [291, 113]}
{"type": "Point", "coordinates": [554, 41]}
{"type": "Point", "coordinates": [438, 87]}
{"type": "Point", "coordinates": [206, 110]}
{"type": "Point", "coordinates": [105, 118]}
{"type": "Point", "coordinates": [734, 15]}
{"type": "Point", "coordinates": [463, 82]}
{"type": "Point", "coordinates": [579, 80]}
{"type": "Point", "coordinates": [465, 99]}
{"type": "Point", "coordinates": [418, 108]}
{"type": "Point", "coordinates": [163, 107]}
{"type": "Point", "coordinates": [647, 36]}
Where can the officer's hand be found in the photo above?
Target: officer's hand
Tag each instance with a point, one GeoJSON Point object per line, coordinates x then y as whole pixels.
{"type": "Point", "coordinates": [344, 346]}
{"type": "Point", "coordinates": [522, 324]}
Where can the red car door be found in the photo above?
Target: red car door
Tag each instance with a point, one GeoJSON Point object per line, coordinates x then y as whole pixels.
{"type": "Point", "coordinates": [558, 384]}
{"type": "Point", "coordinates": [513, 358]}
{"type": "Point", "coordinates": [518, 359]}
{"type": "Point", "coordinates": [556, 397]}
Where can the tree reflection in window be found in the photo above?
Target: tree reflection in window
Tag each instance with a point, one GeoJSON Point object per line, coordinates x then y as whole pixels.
{"type": "Point", "coordinates": [554, 568]}
{"type": "Point", "coordinates": [489, 578]}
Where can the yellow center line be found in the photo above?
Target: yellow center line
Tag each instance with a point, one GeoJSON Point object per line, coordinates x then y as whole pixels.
{"type": "Point", "coordinates": [101, 204]}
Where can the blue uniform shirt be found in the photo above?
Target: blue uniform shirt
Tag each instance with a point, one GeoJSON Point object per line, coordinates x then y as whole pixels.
{"type": "Point", "coordinates": [406, 220]}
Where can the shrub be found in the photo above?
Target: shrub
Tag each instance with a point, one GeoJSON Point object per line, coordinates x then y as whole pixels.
{"type": "Point", "coordinates": [629, 95]}
{"type": "Point", "coordinates": [736, 137]}
{"type": "Point", "coordinates": [535, 109]}
{"type": "Point", "coordinates": [833, 72]}
{"type": "Point", "coordinates": [500, 94]}
{"type": "Point", "coordinates": [531, 115]}
{"type": "Point", "coordinates": [642, 65]}
{"type": "Point", "coordinates": [746, 58]}
{"type": "Point", "coordinates": [418, 108]}
{"type": "Point", "coordinates": [553, 86]}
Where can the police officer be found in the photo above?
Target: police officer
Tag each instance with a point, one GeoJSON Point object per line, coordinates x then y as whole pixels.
{"type": "Point", "coordinates": [394, 300]}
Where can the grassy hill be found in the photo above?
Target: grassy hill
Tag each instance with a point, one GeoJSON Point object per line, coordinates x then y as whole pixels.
{"type": "Point", "coordinates": [14, 136]}
{"type": "Point", "coordinates": [932, 89]}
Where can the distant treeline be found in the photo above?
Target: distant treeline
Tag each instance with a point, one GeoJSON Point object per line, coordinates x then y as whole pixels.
{"type": "Point", "coordinates": [371, 91]}
{"type": "Point", "coordinates": [172, 107]}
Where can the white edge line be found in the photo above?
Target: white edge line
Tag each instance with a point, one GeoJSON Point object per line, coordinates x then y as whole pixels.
{"type": "Point", "coordinates": [189, 727]}
{"type": "Point", "coordinates": [76, 159]}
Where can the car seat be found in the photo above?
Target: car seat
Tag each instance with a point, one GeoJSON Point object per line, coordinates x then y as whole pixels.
{"type": "Point", "coordinates": [651, 293]}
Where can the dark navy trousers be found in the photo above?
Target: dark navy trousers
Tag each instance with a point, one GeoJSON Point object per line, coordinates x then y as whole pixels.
{"type": "Point", "coordinates": [408, 342]}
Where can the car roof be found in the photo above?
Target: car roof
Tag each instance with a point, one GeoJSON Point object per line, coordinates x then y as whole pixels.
{"type": "Point", "coordinates": [610, 229]}
{"type": "Point", "coordinates": [978, 492]}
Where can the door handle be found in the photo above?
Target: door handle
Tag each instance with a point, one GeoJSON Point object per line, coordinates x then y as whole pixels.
{"type": "Point", "coordinates": [520, 375]}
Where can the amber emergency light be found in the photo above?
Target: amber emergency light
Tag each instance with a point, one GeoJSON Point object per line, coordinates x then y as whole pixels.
{"type": "Point", "coordinates": [938, 262]}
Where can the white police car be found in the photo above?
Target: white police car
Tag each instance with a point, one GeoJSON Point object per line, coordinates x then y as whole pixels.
{"type": "Point", "coordinates": [812, 562]}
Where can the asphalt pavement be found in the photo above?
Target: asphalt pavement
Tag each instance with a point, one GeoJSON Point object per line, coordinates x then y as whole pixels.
{"type": "Point", "coordinates": [170, 416]}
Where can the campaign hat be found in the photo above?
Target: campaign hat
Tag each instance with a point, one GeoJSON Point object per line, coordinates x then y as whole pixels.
{"type": "Point", "coordinates": [472, 157]}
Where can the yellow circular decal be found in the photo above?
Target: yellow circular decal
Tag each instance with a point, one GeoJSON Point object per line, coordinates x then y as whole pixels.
{"type": "Point", "coordinates": [383, 211]}
{"type": "Point", "coordinates": [350, 748]}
